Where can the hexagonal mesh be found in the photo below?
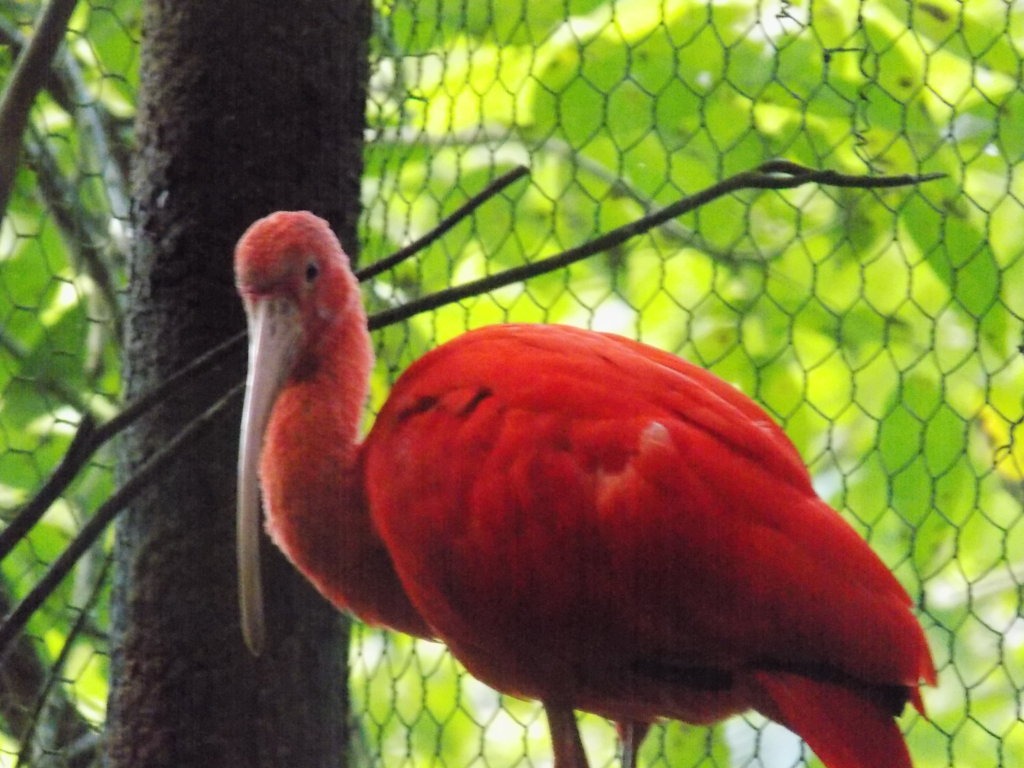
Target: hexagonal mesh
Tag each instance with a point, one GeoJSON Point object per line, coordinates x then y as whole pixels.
{"type": "Point", "coordinates": [882, 329]}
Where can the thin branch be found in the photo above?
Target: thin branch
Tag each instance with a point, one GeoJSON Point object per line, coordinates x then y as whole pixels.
{"type": "Point", "coordinates": [81, 229]}
{"type": "Point", "coordinates": [434, 234]}
{"type": "Point", "coordinates": [29, 76]}
{"type": "Point", "coordinates": [57, 86]}
{"type": "Point", "coordinates": [776, 174]}
{"type": "Point", "coordinates": [89, 438]}
{"type": "Point", "coordinates": [18, 618]}
{"type": "Point", "coordinates": [68, 88]}
{"type": "Point", "coordinates": [673, 231]}
{"type": "Point", "coordinates": [768, 177]}
{"type": "Point", "coordinates": [74, 458]}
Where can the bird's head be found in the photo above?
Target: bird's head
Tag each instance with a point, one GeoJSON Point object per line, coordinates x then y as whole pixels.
{"type": "Point", "coordinates": [298, 291]}
{"type": "Point", "coordinates": [292, 273]}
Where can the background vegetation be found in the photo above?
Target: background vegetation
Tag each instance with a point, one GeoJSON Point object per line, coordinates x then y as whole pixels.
{"type": "Point", "coordinates": [883, 329]}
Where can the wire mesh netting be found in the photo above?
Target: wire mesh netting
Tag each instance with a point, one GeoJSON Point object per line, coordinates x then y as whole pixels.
{"type": "Point", "coordinates": [882, 329]}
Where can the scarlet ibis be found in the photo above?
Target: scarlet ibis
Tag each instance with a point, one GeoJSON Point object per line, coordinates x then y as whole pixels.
{"type": "Point", "coordinates": [583, 519]}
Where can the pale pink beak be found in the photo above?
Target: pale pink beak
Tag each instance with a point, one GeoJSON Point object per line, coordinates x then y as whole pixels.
{"type": "Point", "coordinates": [274, 331]}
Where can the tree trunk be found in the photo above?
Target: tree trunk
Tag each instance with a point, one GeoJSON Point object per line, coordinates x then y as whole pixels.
{"type": "Point", "coordinates": [245, 107]}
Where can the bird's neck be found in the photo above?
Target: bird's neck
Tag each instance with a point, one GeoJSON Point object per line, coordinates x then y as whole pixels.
{"type": "Point", "coordinates": [311, 440]}
{"type": "Point", "coordinates": [313, 489]}
{"type": "Point", "coordinates": [307, 468]}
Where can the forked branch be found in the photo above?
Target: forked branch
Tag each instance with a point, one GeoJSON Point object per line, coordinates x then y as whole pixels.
{"type": "Point", "coordinates": [434, 234]}
{"type": "Point", "coordinates": [775, 174]}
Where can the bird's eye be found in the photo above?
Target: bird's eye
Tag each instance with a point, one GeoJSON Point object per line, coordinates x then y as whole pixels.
{"type": "Point", "coordinates": [312, 271]}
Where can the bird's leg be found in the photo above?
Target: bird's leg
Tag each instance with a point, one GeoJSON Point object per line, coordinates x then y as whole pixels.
{"type": "Point", "coordinates": [631, 734]}
{"type": "Point", "coordinates": [565, 737]}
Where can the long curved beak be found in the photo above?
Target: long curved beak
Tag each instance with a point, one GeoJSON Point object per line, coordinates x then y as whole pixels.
{"type": "Point", "coordinates": [273, 334]}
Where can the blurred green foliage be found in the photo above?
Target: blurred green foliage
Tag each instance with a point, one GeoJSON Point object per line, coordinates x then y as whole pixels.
{"type": "Point", "coordinates": [882, 329]}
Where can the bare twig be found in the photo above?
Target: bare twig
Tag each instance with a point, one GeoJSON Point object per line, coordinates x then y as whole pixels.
{"type": "Point", "coordinates": [467, 208]}
{"type": "Point", "coordinates": [57, 86]}
{"type": "Point", "coordinates": [673, 231]}
{"type": "Point", "coordinates": [68, 88]}
{"type": "Point", "coordinates": [28, 78]}
{"type": "Point", "coordinates": [776, 174]}
{"type": "Point", "coordinates": [74, 458]}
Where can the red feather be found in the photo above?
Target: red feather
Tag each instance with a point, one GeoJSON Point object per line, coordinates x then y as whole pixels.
{"type": "Point", "coordinates": [846, 726]}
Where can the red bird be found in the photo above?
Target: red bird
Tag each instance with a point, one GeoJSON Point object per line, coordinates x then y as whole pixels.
{"type": "Point", "coordinates": [583, 519]}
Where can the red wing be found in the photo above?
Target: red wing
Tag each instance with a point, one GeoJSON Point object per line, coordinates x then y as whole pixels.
{"type": "Point", "coordinates": [559, 503]}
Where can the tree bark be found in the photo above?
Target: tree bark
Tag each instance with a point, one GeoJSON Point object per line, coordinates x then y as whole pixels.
{"type": "Point", "coordinates": [245, 107]}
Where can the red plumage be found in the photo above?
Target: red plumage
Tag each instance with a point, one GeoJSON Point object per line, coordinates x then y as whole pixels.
{"type": "Point", "coordinates": [597, 524]}
{"type": "Point", "coordinates": [585, 519]}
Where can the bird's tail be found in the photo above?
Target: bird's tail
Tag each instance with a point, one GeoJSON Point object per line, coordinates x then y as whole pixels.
{"type": "Point", "coordinates": [845, 727]}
